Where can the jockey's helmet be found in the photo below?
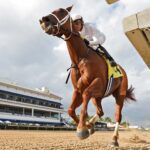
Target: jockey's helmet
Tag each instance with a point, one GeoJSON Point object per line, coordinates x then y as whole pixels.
{"type": "Point", "coordinates": [78, 22]}
{"type": "Point", "coordinates": [76, 17]}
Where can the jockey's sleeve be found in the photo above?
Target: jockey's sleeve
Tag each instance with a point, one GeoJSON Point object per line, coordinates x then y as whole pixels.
{"type": "Point", "coordinates": [97, 38]}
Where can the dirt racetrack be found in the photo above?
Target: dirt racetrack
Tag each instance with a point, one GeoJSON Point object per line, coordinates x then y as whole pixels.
{"type": "Point", "coordinates": [67, 140]}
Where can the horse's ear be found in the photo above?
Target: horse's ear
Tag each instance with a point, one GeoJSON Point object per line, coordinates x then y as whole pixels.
{"type": "Point", "coordinates": [69, 8]}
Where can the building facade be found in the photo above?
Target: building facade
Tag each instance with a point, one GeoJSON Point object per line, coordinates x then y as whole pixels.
{"type": "Point", "coordinates": [24, 105]}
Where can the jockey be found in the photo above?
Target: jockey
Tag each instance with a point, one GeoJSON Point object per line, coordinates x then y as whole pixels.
{"type": "Point", "coordinates": [92, 36]}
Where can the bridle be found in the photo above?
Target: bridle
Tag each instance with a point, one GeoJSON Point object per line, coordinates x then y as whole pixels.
{"type": "Point", "coordinates": [62, 22]}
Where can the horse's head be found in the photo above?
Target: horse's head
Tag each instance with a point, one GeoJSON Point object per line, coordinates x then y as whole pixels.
{"type": "Point", "coordinates": [57, 22]}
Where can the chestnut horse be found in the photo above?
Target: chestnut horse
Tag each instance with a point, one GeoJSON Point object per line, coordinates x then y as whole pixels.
{"type": "Point", "coordinates": [89, 74]}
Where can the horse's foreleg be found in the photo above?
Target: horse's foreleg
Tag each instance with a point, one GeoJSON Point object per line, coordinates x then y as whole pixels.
{"type": "Point", "coordinates": [86, 97]}
{"type": "Point", "coordinates": [82, 130]}
{"type": "Point", "coordinates": [99, 112]}
{"type": "Point", "coordinates": [76, 102]}
{"type": "Point", "coordinates": [93, 90]}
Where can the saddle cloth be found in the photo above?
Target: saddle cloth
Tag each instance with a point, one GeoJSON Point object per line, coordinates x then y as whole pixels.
{"type": "Point", "coordinates": [114, 72]}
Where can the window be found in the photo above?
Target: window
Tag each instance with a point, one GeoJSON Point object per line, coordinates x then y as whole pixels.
{"type": "Point", "coordinates": [40, 113]}
{"type": "Point", "coordinates": [2, 95]}
{"type": "Point", "coordinates": [18, 99]}
{"type": "Point", "coordinates": [27, 100]}
{"type": "Point", "coordinates": [10, 97]}
{"type": "Point", "coordinates": [11, 109]}
{"type": "Point", "coordinates": [54, 115]}
{"type": "Point", "coordinates": [27, 111]}
{"type": "Point", "coordinates": [2, 108]}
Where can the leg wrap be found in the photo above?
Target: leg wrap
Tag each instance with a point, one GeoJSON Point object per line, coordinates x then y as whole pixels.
{"type": "Point", "coordinates": [94, 119]}
{"type": "Point", "coordinates": [116, 129]}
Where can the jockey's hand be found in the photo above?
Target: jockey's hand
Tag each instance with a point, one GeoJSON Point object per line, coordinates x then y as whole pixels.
{"type": "Point", "coordinates": [86, 42]}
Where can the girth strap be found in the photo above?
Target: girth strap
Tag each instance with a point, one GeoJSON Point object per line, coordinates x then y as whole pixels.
{"type": "Point", "coordinates": [109, 85]}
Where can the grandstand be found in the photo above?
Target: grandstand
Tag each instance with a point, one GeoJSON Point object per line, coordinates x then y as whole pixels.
{"type": "Point", "coordinates": [23, 105]}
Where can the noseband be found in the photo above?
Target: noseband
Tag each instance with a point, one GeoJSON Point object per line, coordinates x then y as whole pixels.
{"type": "Point", "coordinates": [62, 22]}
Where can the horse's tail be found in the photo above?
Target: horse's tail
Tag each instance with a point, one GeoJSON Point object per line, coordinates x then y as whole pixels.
{"type": "Point", "coordinates": [130, 95]}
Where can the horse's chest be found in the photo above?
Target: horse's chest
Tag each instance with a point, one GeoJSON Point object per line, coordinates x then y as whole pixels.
{"type": "Point", "coordinates": [83, 66]}
{"type": "Point", "coordinates": [85, 71]}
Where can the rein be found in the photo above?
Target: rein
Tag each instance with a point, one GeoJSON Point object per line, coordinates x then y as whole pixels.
{"type": "Point", "coordinates": [72, 66]}
{"type": "Point", "coordinates": [71, 33]}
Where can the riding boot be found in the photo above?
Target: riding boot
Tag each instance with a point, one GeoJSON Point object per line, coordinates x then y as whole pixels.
{"type": "Point", "coordinates": [107, 55]}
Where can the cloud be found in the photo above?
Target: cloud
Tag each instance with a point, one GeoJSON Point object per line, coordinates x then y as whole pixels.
{"type": "Point", "coordinates": [34, 59]}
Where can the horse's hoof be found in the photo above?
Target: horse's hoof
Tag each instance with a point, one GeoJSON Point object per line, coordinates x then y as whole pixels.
{"type": "Point", "coordinates": [91, 130]}
{"type": "Point", "coordinates": [82, 133]}
{"type": "Point", "coordinates": [115, 144]}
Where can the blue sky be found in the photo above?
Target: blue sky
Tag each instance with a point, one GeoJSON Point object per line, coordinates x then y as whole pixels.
{"type": "Point", "coordinates": [33, 59]}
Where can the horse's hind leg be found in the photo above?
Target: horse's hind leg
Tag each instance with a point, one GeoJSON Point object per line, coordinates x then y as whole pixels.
{"type": "Point", "coordinates": [76, 102]}
{"type": "Point", "coordinates": [119, 95]}
{"type": "Point", "coordinates": [118, 117]}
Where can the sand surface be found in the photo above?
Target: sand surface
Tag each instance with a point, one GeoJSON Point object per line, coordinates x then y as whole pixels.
{"type": "Point", "coordinates": [67, 140]}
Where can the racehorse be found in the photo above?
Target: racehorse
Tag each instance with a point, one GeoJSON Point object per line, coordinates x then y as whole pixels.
{"type": "Point", "coordinates": [89, 75]}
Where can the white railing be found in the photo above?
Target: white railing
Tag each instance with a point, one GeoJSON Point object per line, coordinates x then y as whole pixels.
{"type": "Point", "coordinates": [26, 105]}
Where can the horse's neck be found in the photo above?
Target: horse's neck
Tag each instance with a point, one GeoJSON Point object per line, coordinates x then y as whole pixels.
{"type": "Point", "coordinates": [77, 49]}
